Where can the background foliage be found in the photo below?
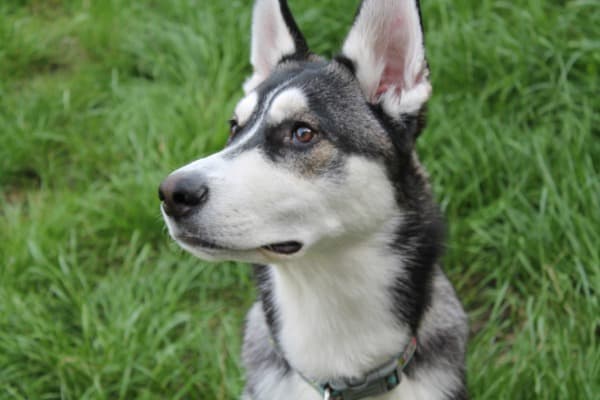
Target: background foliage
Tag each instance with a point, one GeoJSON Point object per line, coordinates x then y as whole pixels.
{"type": "Point", "coordinates": [99, 100]}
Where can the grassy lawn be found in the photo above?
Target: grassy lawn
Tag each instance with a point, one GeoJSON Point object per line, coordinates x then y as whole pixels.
{"type": "Point", "coordinates": [99, 100]}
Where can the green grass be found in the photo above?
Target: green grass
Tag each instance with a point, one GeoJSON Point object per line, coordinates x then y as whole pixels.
{"type": "Point", "coordinates": [99, 100]}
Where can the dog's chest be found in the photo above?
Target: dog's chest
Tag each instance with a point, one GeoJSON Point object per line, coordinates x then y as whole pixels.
{"type": "Point", "coordinates": [336, 321]}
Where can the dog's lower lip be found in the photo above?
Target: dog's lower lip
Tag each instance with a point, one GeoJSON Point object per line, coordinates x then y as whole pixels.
{"type": "Point", "coordinates": [194, 241]}
{"type": "Point", "coordinates": [286, 248]}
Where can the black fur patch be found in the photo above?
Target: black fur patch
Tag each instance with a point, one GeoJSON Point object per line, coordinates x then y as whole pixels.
{"type": "Point", "coordinates": [357, 12]}
{"type": "Point", "coordinates": [302, 51]}
{"type": "Point", "coordinates": [403, 129]}
{"type": "Point", "coordinates": [460, 394]}
{"type": "Point", "coordinates": [419, 240]}
{"type": "Point", "coordinates": [421, 20]}
{"type": "Point", "coordinates": [265, 286]}
{"type": "Point", "coordinates": [346, 62]}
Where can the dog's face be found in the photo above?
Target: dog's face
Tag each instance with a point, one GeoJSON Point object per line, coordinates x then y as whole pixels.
{"type": "Point", "coordinates": [317, 148]}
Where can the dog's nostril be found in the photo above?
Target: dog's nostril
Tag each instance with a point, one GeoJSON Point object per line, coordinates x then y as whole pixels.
{"type": "Point", "coordinates": [190, 198]}
{"type": "Point", "coordinates": [180, 197]}
{"type": "Point", "coordinates": [161, 195]}
{"type": "Point", "coordinates": [203, 194]}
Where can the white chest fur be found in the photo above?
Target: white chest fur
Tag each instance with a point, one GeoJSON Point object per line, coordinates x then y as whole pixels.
{"type": "Point", "coordinates": [327, 327]}
{"type": "Point", "coordinates": [335, 311]}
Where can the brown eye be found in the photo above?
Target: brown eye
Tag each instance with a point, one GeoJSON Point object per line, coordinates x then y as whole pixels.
{"type": "Point", "coordinates": [233, 127]}
{"type": "Point", "coordinates": [302, 135]}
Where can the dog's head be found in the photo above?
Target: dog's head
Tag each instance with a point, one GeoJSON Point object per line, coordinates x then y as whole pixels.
{"type": "Point", "coordinates": [320, 151]}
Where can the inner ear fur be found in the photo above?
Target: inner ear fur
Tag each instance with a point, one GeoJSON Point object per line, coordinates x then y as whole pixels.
{"type": "Point", "coordinates": [386, 46]}
{"type": "Point", "coordinates": [275, 37]}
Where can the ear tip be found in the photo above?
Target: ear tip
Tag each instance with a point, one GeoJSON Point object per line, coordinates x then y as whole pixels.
{"type": "Point", "coordinates": [275, 36]}
{"type": "Point", "coordinates": [270, 4]}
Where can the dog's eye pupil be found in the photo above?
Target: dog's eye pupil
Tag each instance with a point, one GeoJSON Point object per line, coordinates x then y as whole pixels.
{"type": "Point", "coordinates": [303, 134]}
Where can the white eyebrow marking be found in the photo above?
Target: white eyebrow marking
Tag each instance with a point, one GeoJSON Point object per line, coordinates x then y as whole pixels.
{"type": "Point", "coordinates": [262, 110]}
{"type": "Point", "coordinates": [254, 128]}
{"type": "Point", "coordinates": [288, 102]}
{"type": "Point", "coordinates": [245, 108]}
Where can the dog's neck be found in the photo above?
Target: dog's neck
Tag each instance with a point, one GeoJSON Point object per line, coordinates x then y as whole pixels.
{"type": "Point", "coordinates": [333, 312]}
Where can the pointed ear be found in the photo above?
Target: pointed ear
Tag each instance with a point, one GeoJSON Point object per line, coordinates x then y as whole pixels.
{"type": "Point", "coordinates": [275, 35]}
{"type": "Point", "coordinates": [386, 46]}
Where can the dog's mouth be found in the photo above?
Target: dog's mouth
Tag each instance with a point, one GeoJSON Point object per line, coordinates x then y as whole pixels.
{"type": "Point", "coordinates": [282, 248]}
{"type": "Point", "coordinates": [197, 242]}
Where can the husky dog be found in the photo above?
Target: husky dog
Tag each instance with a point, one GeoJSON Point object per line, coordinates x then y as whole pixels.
{"type": "Point", "coordinates": [320, 187]}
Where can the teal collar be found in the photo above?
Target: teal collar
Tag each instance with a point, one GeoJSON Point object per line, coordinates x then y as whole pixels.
{"type": "Point", "coordinates": [381, 380]}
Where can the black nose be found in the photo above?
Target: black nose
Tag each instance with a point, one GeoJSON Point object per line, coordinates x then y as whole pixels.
{"type": "Point", "coordinates": [182, 194]}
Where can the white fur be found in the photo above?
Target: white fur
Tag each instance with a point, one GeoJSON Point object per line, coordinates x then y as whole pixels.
{"type": "Point", "coordinates": [253, 129]}
{"type": "Point", "coordinates": [271, 40]}
{"type": "Point", "coordinates": [408, 102]}
{"type": "Point", "coordinates": [317, 300]}
{"type": "Point", "coordinates": [247, 211]}
{"type": "Point", "coordinates": [288, 103]}
{"type": "Point", "coordinates": [427, 385]}
{"type": "Point", "coordinates": [329, 315]}
{"type": "Point", "coordinates": [334, 308]}
{"type": "Point", "coordinates": [386, 43]}
{"type": "Point", "coordinates": [275, 386]}
{"type": "Point", "coordinates": [246, 107]}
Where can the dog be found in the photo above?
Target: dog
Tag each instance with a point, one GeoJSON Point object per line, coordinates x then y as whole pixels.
{"type": "Point", "coordinates": [320, 188]}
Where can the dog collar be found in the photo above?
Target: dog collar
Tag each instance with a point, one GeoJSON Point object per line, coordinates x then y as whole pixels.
{"type": "Point", "coordinates": [379, 381]}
